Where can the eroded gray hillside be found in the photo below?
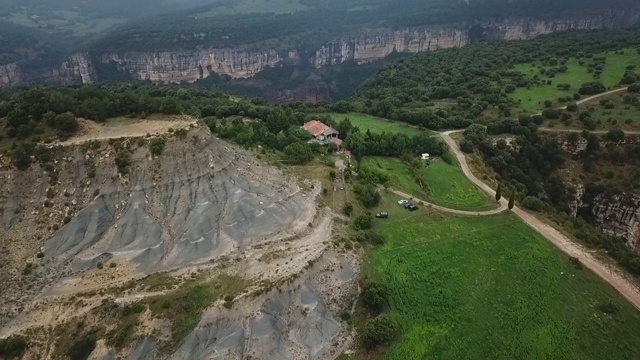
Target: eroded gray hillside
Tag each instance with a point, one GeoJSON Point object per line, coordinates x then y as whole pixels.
{"type": "Point", "coordinates": [200, 210]}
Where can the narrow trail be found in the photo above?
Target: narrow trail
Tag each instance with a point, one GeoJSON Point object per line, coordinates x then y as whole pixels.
{"type": "Point", "coordinates": [501, 208]}
{"type": "Point", "coordinates": [615, 279]}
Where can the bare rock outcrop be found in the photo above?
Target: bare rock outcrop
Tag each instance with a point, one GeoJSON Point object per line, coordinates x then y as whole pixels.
{"type": "Point", "coordinates": [248, 60]}
{"type": "Point", "coordinates": [619, 216]}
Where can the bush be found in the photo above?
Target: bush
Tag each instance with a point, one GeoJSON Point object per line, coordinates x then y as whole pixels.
{"type": "Point", "coordinates": [122, 160]}
{"type": "Point", "coordinates": [156, 146]}
{"type": "Point", "coordinates": [466, 146]}
{"type": "Point", "coordinates": [347, 209]}
{"type": "Point", "coordinates": [609, 308]}
{"type": "Point", "coordinates": [82, 348]}
{"type": "Point", "coordinates": [363, 221]}
{"type": "Point", "coordinates": [40, 255]}
{"type": "Point", "coordinates": [374, 238]}
{"type": "Point", "coordinates": [374, 297]}
{"type": "Point", "coordinates": [12, 347]}
{"type": "Point", "coordinates": [592, 88]}
{"type": "Point", "coordinates": [533, 203]}
{"type": "Point", "coordinates": [378, 331]}
{"type": "Point", "coordinates": [615, 135]}
{"type": "Point", "coordinates": [367, 195]}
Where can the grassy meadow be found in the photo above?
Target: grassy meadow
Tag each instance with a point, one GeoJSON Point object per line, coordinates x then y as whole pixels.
{"type": "Point", "coordinates": [375, 124]}
{"type": "Point", "coordinates": [533, 99]}
{"type": "Point", "coordinates": [492, 288]}
{"type": "Point", "coordinates": [447, 185]}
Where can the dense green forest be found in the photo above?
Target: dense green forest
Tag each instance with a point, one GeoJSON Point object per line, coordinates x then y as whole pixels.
{"type": "Point", "coordinates": [452, 88]}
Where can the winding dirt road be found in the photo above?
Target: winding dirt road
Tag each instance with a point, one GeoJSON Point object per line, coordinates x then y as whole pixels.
{"type": "Point", "coordinates": [501, 208]}
{"type": "Point", "coordinates": [621, 284]}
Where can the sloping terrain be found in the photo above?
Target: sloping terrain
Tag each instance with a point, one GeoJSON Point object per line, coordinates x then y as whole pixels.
{"type": "Point", "coordinates": [110, 214]}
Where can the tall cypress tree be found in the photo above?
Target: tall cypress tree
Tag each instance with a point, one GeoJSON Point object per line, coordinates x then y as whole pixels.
{"type": "Point", "coordinates": [511, 199]}
{"type": "Point", "coordinates": [498, 193]}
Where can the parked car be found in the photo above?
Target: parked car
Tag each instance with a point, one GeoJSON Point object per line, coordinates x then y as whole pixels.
{"type": "Point", "coordinates": [412, 207]}
{"type": "Point", "coordinates": [382, 215]}
{"type": "Point", "coordinates": [403, 202]}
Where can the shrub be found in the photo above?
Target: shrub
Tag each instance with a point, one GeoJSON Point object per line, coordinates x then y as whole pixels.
{"type": "Point", "coordinates": [228, 304]}
{"type": "Point", "coordinates": [374, 297]}
{"type": "Point", "coordinates": [363, 221]}
{"type": "Point", "coordinates": [12, 347]}
{"type": "Point", "coordinates": [615, 135]}
{"type": "Point", "coordinates": [156, 146]}
{"type": "Point", "coordinates": [347, 209]}
{"type": "Point", "coordinates": [82, 348]}
{"type": "Point", "coordinates": [100, 266]}
{"type": "Point", "coordinates": [575, 262]}
{"type": "Point", "coordinates": [378, 331]}
{"type": "Point", "coordinates": [374, 238]}
{"type": "Point", "coordinates": [367, 195]}
{"type": "Point", "coordinates": [609, 308]}
{"type": "Point", "coordinates": [466, 146]}
{"type": "Point", "coordinates": [533, 203]}
{"type": "Point", "coordinates": [40, 255]}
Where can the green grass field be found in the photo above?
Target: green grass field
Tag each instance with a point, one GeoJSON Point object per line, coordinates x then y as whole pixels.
{"type": "Point", "coordinates": [447, 185]}
{"type": "Point", "coordinates": [533, 99]}
{"type": "Point", "coordinates": [492, 288]}
{"type": "Point", "coordinates": [375, 124]}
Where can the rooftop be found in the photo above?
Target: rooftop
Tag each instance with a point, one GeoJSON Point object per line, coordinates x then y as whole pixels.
{"type": "Point", "coordinates": [315, 127]}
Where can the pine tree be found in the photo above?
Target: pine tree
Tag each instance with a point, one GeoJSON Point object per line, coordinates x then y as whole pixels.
{"type": "Point", "coordinates": [498, 193]}
{"type": "Point", "coordinates": [511, 199]}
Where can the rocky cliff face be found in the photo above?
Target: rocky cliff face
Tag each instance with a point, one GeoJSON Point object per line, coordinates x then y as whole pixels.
{"type": "Point", "coordinates": [10, 75]}
{"type": "Point", "coordinates": [77, 69]}
{"type": "Point", "coordinates": [362, 48]}
{"type": "Point", "coordinates": [619, 216]}
{"type": "Point", "coordinates": [197, 64]}
{"type": "Point", "coordinates": [247, 61]}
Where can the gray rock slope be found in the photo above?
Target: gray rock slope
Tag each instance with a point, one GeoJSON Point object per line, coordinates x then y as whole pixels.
{"type": "Point", "coordinates": [183, 209]}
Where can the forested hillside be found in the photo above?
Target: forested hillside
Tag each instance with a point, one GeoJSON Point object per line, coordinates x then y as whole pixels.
{"type": "Point", "coordinates": [454, 87]}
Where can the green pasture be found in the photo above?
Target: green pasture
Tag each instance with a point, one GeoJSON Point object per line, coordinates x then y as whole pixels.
{"type": "Point", "coordinates": [446, 184]}
{"type": "Point", "coordinates": [492, 288]}
{"type": "Point", "coordinates": [375, 124]}
{"type": "Point", "coordinates": [533, 99]}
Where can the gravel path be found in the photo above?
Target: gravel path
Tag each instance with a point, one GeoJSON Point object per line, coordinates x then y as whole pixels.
{"type": "Point", "coordinates": [614, 278]}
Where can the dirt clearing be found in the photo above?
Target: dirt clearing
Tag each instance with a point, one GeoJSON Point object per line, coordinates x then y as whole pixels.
{"type": "Point", "coordinates": [121, 127]}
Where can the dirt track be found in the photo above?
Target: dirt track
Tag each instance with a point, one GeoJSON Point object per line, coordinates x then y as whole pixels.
{"type": "Point", "coordinates": [90, 130]}
{"type": "Point", "coordinates": [501, 208]}
{"type": "Point", "coordinates": [624, 286]}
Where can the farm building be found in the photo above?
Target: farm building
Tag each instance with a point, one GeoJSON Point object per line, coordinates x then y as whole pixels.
{"type": "Point", "coordinates": [322, 133]}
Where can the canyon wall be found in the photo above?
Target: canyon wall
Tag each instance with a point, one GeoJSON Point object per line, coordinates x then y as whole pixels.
{"type": "Point", "coordinates": [247, 61]}
{"type": "Point", "coordinates": [77, 69]}
{"type": "Point", "coordinates": [619, 216]}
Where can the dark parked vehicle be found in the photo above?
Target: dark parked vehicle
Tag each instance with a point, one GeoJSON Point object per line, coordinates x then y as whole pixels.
{"type": "Point", "coordinates": [382, 215]}
{"type": "Point", "coordinates": [412, 207]}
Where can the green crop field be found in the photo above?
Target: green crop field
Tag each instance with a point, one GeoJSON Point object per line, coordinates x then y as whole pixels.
{"type": "Point", "coordinates": [533, 99]}
{"type": "Point", "coordinates": [492, 288]}
{"type": "Point", "coordinates": [375, 124]}
{"type": "Point", "coordinates": [447, 185]}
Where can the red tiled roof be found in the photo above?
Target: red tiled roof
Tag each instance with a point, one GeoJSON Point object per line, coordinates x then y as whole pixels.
{"type": "Point", "coordinates": [315, 127]}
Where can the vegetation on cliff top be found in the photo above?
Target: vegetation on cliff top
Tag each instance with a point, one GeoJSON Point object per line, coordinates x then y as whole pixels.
{"type": "Point", "coordinates": [452, 88]}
